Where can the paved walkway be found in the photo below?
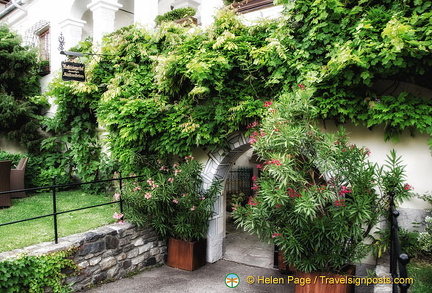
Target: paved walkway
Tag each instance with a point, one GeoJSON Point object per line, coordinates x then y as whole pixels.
{"type": "Point", "coordinates": [245, 256]}
{"type": "Point", "coordinates": [209, 278]}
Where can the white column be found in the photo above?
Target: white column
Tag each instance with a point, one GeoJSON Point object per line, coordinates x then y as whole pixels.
{"type": "Point", "coordinates": [216, 232]}
{"type": "Point", "coordinates": [208, 10]}
{"type": "Point", "coordinates": [72, 31]}
{"type": "Point", "coordinates": [103, 17]}
{"type": "Point", "coordinates": [145, 12]}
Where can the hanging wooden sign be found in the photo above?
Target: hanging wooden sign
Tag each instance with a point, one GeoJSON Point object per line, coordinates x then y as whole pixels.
{"type": "Point", "coordinates": [73, 71]}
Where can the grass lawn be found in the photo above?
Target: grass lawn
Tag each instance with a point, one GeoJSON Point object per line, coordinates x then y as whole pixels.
{"type": "Point", "coordinates": [41, 230]}
{"type": "Point", "coordinates": [421, 271]}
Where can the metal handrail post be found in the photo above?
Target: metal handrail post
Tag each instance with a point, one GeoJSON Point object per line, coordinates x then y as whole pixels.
{"type": "Point", "coordinates": [55, 210]}
{"type": "Point", "coordinates": [121, 193]}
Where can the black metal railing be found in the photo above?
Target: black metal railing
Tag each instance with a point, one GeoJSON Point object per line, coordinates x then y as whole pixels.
{"type": "Point", "coordinates": [398, 260]}
{"type": "Point", "coordinates": [54, 188]}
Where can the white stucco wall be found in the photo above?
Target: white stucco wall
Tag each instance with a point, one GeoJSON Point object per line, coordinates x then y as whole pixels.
{"type": "Point", "coordinates": [414, 151]}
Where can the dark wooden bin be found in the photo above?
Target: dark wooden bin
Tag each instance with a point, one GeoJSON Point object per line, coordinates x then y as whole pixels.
{"type": "Point", "coordinates": [5, 167]}
{"type": "Point", "coordinates": [17, 179]}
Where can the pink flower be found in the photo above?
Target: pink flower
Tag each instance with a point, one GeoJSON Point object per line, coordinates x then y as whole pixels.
{"type": "Point", "coordinates": [339, 203]}
{"type": "Point", "coordinates": [118, 216]}
{"type": "Point", "coordinates": [203, 198]}
{"type": "Point", "coordinates": [268, 104]}
{"type": "Point", "coordinates": [171, 180]}
{"type": "Point", "coordinates": [344, 190]}
{"type": "Point", "coordinates": [275, 162]}
{"type": "Point", "coordinates": [189, 158]}
{"type": "Point", "coordinates": [251, 202]}
{"type": "Point", "coordinates": [278, 206]}
{"type": "Point", "coordinates": [408, 187]}
{"type": "Point", "coordinates": [255, 186]}
{"type": "Point", "coordinates": [116, 196]}
{"type": "Point", "coordinates": [252, 141]}
{"type": "Point", "coordinates": [259, 166]}
{"type": "Point", "coordinates": [192, 208]}
{"type": "Point", "coordinates": [175, 201]}
{"type": "Point", "coordinates": [137, 188]}
{"type": "Point", "coordinates": [176, 171]}
{"type": "Point", "coordinates": [301, 86]}
{"type": "Point", "coordinates": [148, 195]}
{"type": "Point", "coordinates": [276, 235]}
{"type": "Point", "coordinates": [292, 193]}
{"type": "Point", "coordinates": [252, 125]}
{"type": "Point", "coordinates": [254, 178]}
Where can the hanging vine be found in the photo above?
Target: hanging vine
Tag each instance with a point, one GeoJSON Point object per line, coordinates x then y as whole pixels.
{"type": "Point", "coordinates": [169, 91]}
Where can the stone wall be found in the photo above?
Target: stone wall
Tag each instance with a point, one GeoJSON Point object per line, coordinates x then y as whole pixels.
{"type": "Point", "coordinates": [105, 254]}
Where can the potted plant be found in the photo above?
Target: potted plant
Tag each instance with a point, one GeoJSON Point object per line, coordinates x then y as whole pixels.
{"type": "Point", "coordinates": [173, 202]}
{"type": "Point", "coordinates": [318, 197]}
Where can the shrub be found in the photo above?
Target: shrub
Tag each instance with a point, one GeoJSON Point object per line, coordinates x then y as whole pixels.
{"type": "Point", "coordinates": [318, 196]}
{"type": "Point", "coordinates": [175, 14]}
{"type": "Point", "coordinates": [172, 200]}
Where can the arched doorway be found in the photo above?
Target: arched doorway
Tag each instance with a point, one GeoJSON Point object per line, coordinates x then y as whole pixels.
{"type": "Point", "coordinates": [218, 165]}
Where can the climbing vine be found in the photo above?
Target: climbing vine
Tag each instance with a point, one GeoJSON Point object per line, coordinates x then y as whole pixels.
{"type": "Point", "coordinates": [343, 48]}
{"type": "Point", "coordinates": [174, 89]}
{"type": "Point", "coordinates": [36, 274]}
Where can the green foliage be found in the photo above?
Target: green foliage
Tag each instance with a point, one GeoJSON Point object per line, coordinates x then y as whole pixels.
{"type": "Point", "coordinates": [318, 196]}
{"type": "Point", "coordinates": [228, 2]}
{"type": "Point", "coordinates": [175, 14]}
{"type": "Point", "coordinates": [425, 238]}
{"type": "Point", "coordinates": [17, 66]}
{"type": "Point", "coordinates": [344, 47]}
{"type": "Point", "coordinates": [20, 108]}
{"type": "Point", "coordinates": [74, 147]}
{"type": "Point", "coordinates": [172, 90]}
{"type": "Point", "coordinates": [172, 200]}
{"type": "Point", "coordinates": [35, 274]}
{"type": "Point", "coordinates": [421, 271]}
{"type": "Point", "coordinates": [176, 90]}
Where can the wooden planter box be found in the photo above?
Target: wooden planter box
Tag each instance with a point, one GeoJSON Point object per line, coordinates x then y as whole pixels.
{"type": "Point", "coordinates": [283, 267]}
{"type": "Point", "coordinates": [5, 168]}
{"type": "Point", "coordinates": [332, 285]}
{"type": "Point", "coordinates": [186, 255]}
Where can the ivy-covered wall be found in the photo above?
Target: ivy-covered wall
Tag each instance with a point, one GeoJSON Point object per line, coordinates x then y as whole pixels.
{"type": "Point", "coordinates": [165, 92]}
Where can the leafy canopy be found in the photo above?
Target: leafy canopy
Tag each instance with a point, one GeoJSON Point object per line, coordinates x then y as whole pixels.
{"type": "Point", "coordinates": [174, 89]}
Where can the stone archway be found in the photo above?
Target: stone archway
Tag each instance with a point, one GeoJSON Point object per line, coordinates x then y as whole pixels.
{"type": "Point", "coordinates": [218, 165]}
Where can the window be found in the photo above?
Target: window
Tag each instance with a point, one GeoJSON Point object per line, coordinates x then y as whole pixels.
{"type": "Point", "coordinates": [44, 45]}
